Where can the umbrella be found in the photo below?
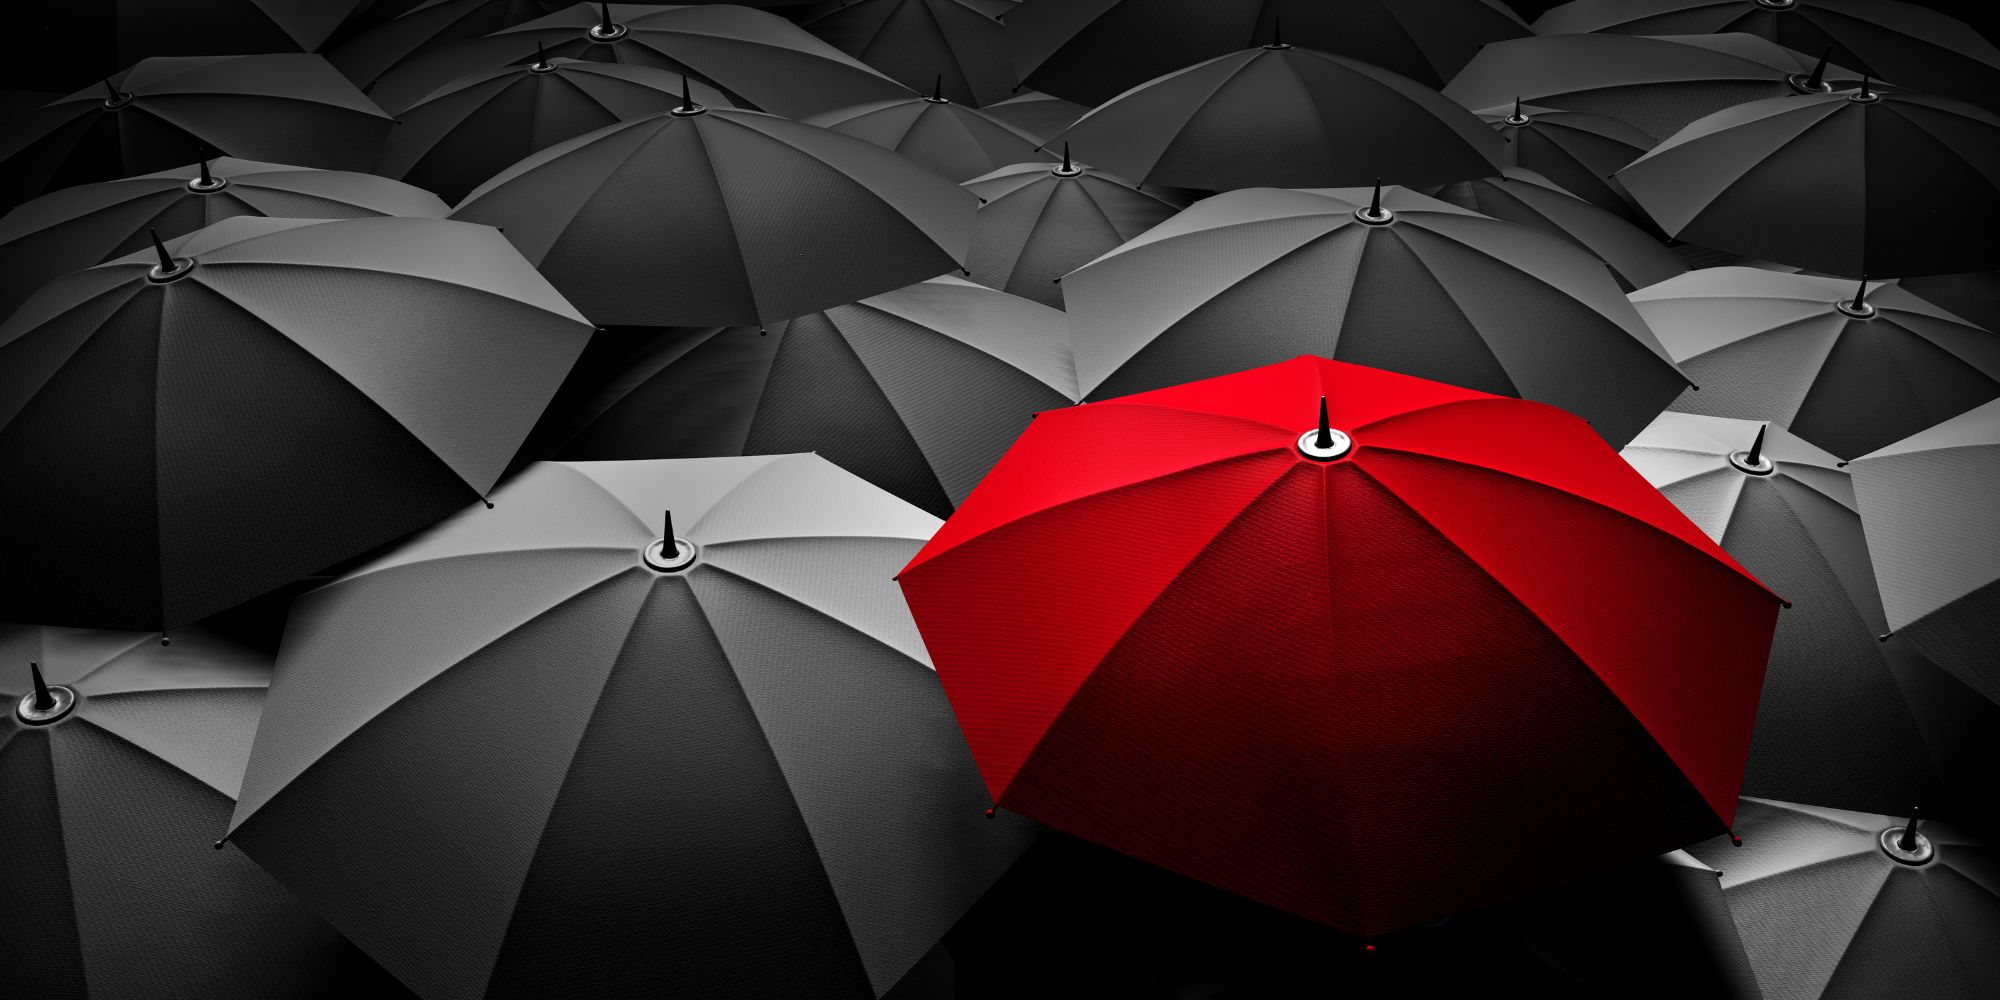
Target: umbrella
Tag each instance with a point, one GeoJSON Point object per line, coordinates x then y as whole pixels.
{"type": "Point", "coordinates": [270, 397]}
{"type": "Point", "coordinates": [952, 139]}
{"type": "Point", "coordinates": [73, 228]}
{"type": "Point", "coordinates": [1865, 183]}
{"type": "Point", "coordinates": [390, 42]}
{"type": "Point", "coordinates": [1394, 280]}
{"type": "Point", "coordinates": [72, 42]}
{"type": "Point", "coordinates": [1654, 84]}
{"type": "Point", "coordinates": [911, 41]}
{"type": "Point", "coordinates": [1927, 506]}
{"type": "Point", "coordinates": [742, 780]}
{"type": "Point", "coordinates": [759, 60]}
{"type": "Point", "coordinates": [1846, 720]}
{"type": "Point", "coordinates": [918, 390]}
{"type": "Point", "coordinates": [1905, 42]}
{"type": "Point", "coordinates": [479, 125]}
{"type": "Point", "coordinates": [1850, 367]}
{"type": "Point", "coordinates": [1091, 50]}
{"type": "Point", "coordinates": [1575, 149]}
{"type": "Point", "coordinates": [280, 108]}
{"type": "Point", "coordinates": [718, 216]}
{"type": "Point", "coordinates": [1287, 117]}
{"type": "Point", "coordinates": [1037, 223]}
{"type": "Point", "coordinates": [119, 760]}
{"type": "Point", "coordinates": [1846, 905]}
{"type": "Point", "coordinates": [1036, 113]}
{"type": "Point", "coordinates": [1529, 199]}
{"type": "Point", "coordinates": [1974, 296]}
{"type": "Point", "coordinates": [1338, 669]}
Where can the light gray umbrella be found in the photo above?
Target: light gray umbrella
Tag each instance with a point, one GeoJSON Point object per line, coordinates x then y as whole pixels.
{"type": "Point", "coordinates": [953, 139]}
{"type": "Point", "coordinates": [1577, 150]}
{"type": "Point", "coordinates": [1839, 905]}
{"type": "Point", "coordinates": [1522, 196]}
{"type": "Point", "coordinates": [1846, 720]}
{"type": "Point", "coordinates": [1406, 283]}
{"type": "Point", "coordinates": [913, 40]}
{"type": "Point", "coordinates": [1038, 222]}
{"type": "Point", "coordinates": [1927, 504]}
{"type": "Point", "coordinates": [1801, 351]}
{"type": "Point", "coordinates": [645, 728]}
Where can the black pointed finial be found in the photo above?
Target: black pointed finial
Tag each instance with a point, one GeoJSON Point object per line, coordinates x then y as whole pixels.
{"type": "Point", "coordinates": [1066, 165]}
{"type": "Point", "coordinates": [541, 56]}
{"type": "Point", "coordinates": [937, 88]}
{"type": "Point", "coordinates": [1324, 439]}
{"type": "Point", "coordinates": [1756, 454]}
{"type": "Point", "coordinates": [687, 94]}
{"type": "Point", "coordinates": [604, 25]}
{"type": "Point", "coordinates": [43, 699]}
{"type": "Point", "coordinates": [1908, 841]}
{"type": "Point", "coordinates": [1375, 204]}
{"type": "Point", "coordinates": [1517, 107]}
{"type": "Point", "coordinates": [206, 179]}
{"type": "Point", "coordinates": [1865, 93]}
{"type": "Point", "coordinates": [668, 532]}
{"type": "Point", "coordinates": [167, 265]}
{"type": "Point", "coordinates": [1818, 77]}
{"type": "Point", "coordinates": [1861, 294]}
{"type": "Point", "coordinates": [1277, 32]}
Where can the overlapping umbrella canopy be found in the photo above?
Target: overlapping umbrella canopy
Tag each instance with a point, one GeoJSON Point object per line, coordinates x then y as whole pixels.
{"type": "Point", "coordinates": [915, 41]}
{"type": "Point", "coordinates": [951, 138]}
{"type": "Point", "coordinates": [1038, 222]}
{"type": "Point", "coordinates": [1525, 197]}
{"type": "Point", "coordinates": [388, 42]}
{"type": "Point", "coordinates": [1575, 149]}
{"type": "Point", "coordinates": [68, 43]}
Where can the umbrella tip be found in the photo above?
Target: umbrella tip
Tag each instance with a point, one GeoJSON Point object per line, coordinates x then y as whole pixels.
{"type": "Point", "coordinates": [113, 97]}
{"type": "Point", "coordinates": [1068, 168]}
{"type": "Point", "coordinates": [1375, 214]}
{"type": "Point", "coordinates": [168, 267]}
{"type": "Point", "coordinates": [992, 810]}
{"type": "Point", "coordinates": [1857, 306]}
{"type": "Point", "coordinates": [1323, 443]}
{"type": "Point", "coordinates": [1734, 840]}
{"type": "Point", "coordinates": [218, 844]}
{"type": "Point", "coordinates": [1905, 844]}
{"type": "Point", "coordinates": [1517, 118]}
{"type": "Point", "coordinates": [1368, 949]}
{"type": "Point", "coordinates": [166, 640]}
{"type": "Point", "coordinates": [43, 699]}
{"type": "Point", "coordinates": [1277, 34]}
{"type": "Point", "coordinates": [488, 503]}
{"type": "Point", "coordinates": [670, 553]}
{"type": "Point", "coordinates": [937, 90]}
{"type": "Point", "coordinates": [1751, 461]}
{"type": "Point", "coordinates": [605, 29]}
{"type": "Point", "coordinates": [688, 107]}
{"type": "Point", "coordinates": [204, 180]}
{"type": "Point", "coordinates": [1867, 93]}
{"type": "Point", "coordinates": [541, 63]}
{"type": "Point", "coordinates": [46, 703]}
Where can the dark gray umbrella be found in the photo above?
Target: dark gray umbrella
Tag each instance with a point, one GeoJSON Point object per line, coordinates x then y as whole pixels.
{"type": "Point", "coordinates": [1850, 376]}
{"type": "Point", "coordinates": [1575, 149]}
{"type": "Point", "coordinates": [1528, 198]}
{"type": "Point", "coordinates": [475, 127]}
{"type": "Point", "coordinates": [1091, 50]}
{"type": "Point", "coordinates": [1838, 905]}
{"type": "Point", "coordinates": [264, 398]}
{"type": "Point", "coordinates": [154, 115]}
{"type": "Point", "coordinates": [1860, 183]}
{"type": "Point", "coordinates": [1972, 296]}
{"type": "Point", "coordinates": [1406, 283]}
{"type": "Point", "coordinates": [1846, 720]}
{"type": "Point", "coordinates": [120, 758]}
{"type": "Point", "coordinates": [918, 390]}
{"type": "Point", "coordinates": [1927, 506]}
{"type": "Point", "coordinates": [1039, 222]}
{"type": "Point", "coordinates": [1041, 115]}
{"type": "Point", "coordinates": [73, 228]}
{"type": "Point", "coordinates": [759, 59]}
{"type": "Point", "coordinates": [645, 728]}
{"type": "Point", "coordinates": [69, 43]}
{"type": "Point", "coordinates": [1283, 116]}
{"type": "Point", "coordinates": [912, 41]}
{"type": "Point", "coordinates": [1656, 84]}
{"type": "Point", "coordinates": [953, 139]}
{"type": "Point", "coordinates": [719, 216]}
{"type": "Point", "coordinates": [390, 42]}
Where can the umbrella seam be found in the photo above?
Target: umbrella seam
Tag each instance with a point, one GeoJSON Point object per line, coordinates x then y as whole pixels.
{"type": "Point", "coordinates": [750, 284]}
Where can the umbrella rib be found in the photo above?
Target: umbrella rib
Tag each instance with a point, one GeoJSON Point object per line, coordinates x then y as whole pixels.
{"type": "Point", "coordinates": [722, 201]}
{"type": "Point", "coordinates": [358, 269]}
{"type": "Point", "coordinates": [821, 612]}
{"type": "Point", "coordinates": [1818, 555]}
{"type": "Point", "coordinates": [1129, 401]}
{"type": "Point", "coordinates": [93, 671]}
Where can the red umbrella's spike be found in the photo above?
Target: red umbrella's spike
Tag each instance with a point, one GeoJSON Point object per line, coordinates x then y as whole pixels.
{"type": "Point", "coordinates": [43, 699]}
{"type": "Point", "coordinates": [1325, 437]}
{"type": "Point", "coordinates": [1734, 840]}
{"type": "Point", "coordinates": [1908, 841]}
{"type": "Point", "coordinates": [992, 810]}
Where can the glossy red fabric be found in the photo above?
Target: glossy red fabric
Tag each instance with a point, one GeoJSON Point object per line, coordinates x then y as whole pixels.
{"type": "Point", "coordinates": [1475, 656]}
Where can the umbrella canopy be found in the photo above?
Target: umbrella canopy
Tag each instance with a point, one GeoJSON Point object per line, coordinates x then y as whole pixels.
{"type": "Point", "coordinates": [1846, 720]}
{"type": "Point", "coordinates": [1406, 283]}
{"type": "Point", "coordinates": [1850, 367]}
{"type": "Point", "coordinates": [1334, 669]}
{"type": "Point", "coordinates": [1522, 196]}
{"type": "Point", "coordinates": [119, 761]}
{"type": "Point", "coordinates": [1839, 905]}
{"type": "Point", "coordinates": [1927, 505]}
{"type": "Point", "coordinates": [1656, 84]}
{"type": "Point", "coordinates": [952, 139]}
{"type": "Point", "coordinates": [718, 216]}
{"type": "Point", "coordinates": [1040, 115]}
{"type": "Point", "coordinates": [918, 390]}
{"type": "Point", "coordinates": [262, 399]}
{"type": "Point", "coordinates": [470, 129]}
{"type": "Point", "coordinates": [390, 42]}
{"type": "Point", "coordinates": [1904, 42]}
{"type": "Point", "coordinates": [280, 108]}
{"type": "Point", "coordinates": [912, 41]}
{"type": "Point", "coordinates": [1037, 223]}
{"type": "Point", "coordinates": [1092, 50]}
{"type": "Point", "coordinates": [1284, 116]}
{"type": "Point", "coordinates": [70, 43]}
{"type": "Point", "coordinates": [73, 228]}
{"type": "Point", "coordinates": [1575, 149]}
{"type": "Point", "coordinates": [1862, 183]}
{"type": "Point", "coordinates": [759, 60]}
{"type": "Point", "coordinates": [743, 781]}
{"type": "Point", "coordinates": [1973, 296]}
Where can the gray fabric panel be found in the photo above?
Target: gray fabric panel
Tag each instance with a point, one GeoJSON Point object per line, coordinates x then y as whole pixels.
{"type": "Point", "coordinates": [850, 580]}
{"type": "Point", "coordinates": [1402, 320]}
{"type": "Point", "coordinates": [206, 734]}
{"type": "Point", "coordinates": [1962, 638]}
{"type": "Point", "coordinates": [1797, 926]}
{"type": "Point", "coordinates": [1882, 383]}
{"type": "Point", "coordinates": [38, 936]}
{"type": "Point", "coordinates": [1904, 946]}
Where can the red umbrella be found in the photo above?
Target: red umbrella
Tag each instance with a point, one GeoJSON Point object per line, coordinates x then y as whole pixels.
{"type": "Point", "coordinates": [1361, 671]}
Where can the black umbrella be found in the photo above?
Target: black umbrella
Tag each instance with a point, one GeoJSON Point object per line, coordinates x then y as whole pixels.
{"type": "Point", "coordinates": [917, 391]}
{"type": "Point", "coordinates": [1091, 50]}
{"type": "Point", "coordinates": [119, 761]}
{"type": "Point", "coordinates": [475, 127]}
{"type": "Point", "coordinates": [1849, 366]}
{"type": "Point", "coordinates": [718, 216]}
{"type": "Point", "coordinates": [1038, 222]}
{"type": "Point", "coordinates": [1656, 84]}
{"type": "Point", "coordinates": [953, 139]}
{"type": "Point", "coordinates": [278, 108]}
{"type": "Point", "coordinates": [1522, 196]}
{"type": "Point", "coordinates": [390, 42]}
{"type": "Point", "coordinates": [913, 40]}
{"type": "Point", "coordinates": [1040, 115]}
{"type": "Point", "coordinates": [264, 398]}
{"type": "Point", "coordinates": [69, 43]}
{"type": "Point", "coordinates": [1861, 183]}
{"type": "Point", "coordinates": [1905, 42]}
{"type": "Point", "coordinates": [1973, 296]}
{"type": "Point", "coordinates": [1846, 720]}
{"type": "Point", "coordinates": [759, 60]}
{"type": "Point", "coordinates": [1389, 279]}
{"type": "Point", "coordinates": [1575, 149]}
{"type": "Point", "coordinates": [73, 228]}
{"type": "Point", "coordinates": [645, 728]}
{"type": "Point", "coordinates": [1852, 906]}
